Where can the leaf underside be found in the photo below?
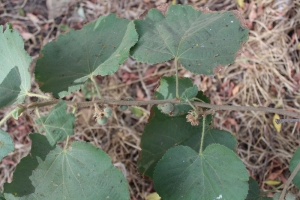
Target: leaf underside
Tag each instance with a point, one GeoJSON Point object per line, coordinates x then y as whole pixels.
{"type": "Point", "coordinates": [97, 49]}
{"type": "Point", "coordinates": [14, 66]}
{"type": "Point", "coordinates": [80, 172]}
{"type": "Point", "coordinates": [164, 132]}
{"type": "Point", "coordinates": [217, 173]}
{"type": "Point", "coordinates": [199, 40]}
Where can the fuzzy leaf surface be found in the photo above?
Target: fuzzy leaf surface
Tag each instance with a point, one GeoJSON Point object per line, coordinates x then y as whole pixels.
{"type": "Point", "coordinates": [97, 49]}
{"type": "Point", "coordinates": [217, 173]}
{"type": "Point", "coordinates": [14, 66]}
{"type": "Point", "coordinates": [293, 164]}
{"type": "Point", "coordinates": [80, 172]}
{"type": "Point", "coordinates": [58, 124]}
{"type": "Point", "coordinates": [199, 40]}
{"type": "Point", "coordinates": [6, 144]}
{"type": "Point", "coordinates": [164, 132]}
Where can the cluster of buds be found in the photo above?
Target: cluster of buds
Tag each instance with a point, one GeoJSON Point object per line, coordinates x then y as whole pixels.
{"type": "Point", "coordinates": [102, 115]}
{"type": "Point", "coordinates": [193, 118]}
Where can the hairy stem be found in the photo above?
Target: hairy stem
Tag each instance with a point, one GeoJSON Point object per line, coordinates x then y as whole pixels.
{"type": "Point", "coordinates": [202, 134]}
{"type": "Point", "coordinates": [96, 86]}
{"type": "Point", "coordinates": [38, 95]}
{"type": "Point", "coordinates": [194, 108]}
{"type": "Point", "coordinates": [288, 182]}
{"type": "Point", "coordinates": [177, 84]}
{"type": "Point", "coordinates": [173, 101]}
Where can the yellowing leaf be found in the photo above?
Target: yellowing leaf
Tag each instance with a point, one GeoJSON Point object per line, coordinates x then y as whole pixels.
{"type": "Point", "coordinates": [153, 196]}
{"type": "Point", "coordinates": [138, 112]}
{"type": "Point", "coordinates": [272, 182]}
{"type": "Point", "coordinates": [240, 3]}
{"type": "Point", "coordinates": [277, 126]}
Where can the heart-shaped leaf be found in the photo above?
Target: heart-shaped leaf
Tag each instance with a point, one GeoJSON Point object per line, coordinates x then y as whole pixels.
{"type": "Point", "coordinates": [80, 172]}
{"type": "Point", "coordinates": [14, 66]}
{"type": "Point", "coordinates": [97, 49]}
{"type": "Point", "coordinates": [217, 173]}
{"type": "Point", "coordinates": [199, 40]}
{"type": "Point", "coordinates": [6, 144]}
{"type": "Point", "coordinates": [164, 132]}
{"type": "Point", "coordinates": [58, 124]}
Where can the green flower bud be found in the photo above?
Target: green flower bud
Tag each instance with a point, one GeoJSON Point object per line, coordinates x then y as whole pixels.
{"type": "Point", "coordinates": [123, 107]}
{"type": "Point", "coordinates": [107, 112]}
{"type": "Point", "coordinates": [102, 120]}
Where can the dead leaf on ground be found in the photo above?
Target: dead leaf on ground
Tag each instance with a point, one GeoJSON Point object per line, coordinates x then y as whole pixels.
{"type": "Point", "coordinates": [56, 7]}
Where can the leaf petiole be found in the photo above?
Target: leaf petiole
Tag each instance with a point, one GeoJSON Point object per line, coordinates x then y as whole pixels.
{"type": "Point", "coordinates": [38, 95]}
{"type": "Point", "coordinates": [177, 84]}
{"type": "Point", "coordinates": [202, 134]}
{"type": "Point", "coordinates": [96, 86]}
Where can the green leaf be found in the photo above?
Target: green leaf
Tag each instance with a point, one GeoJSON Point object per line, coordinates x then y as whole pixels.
{"type": "Point", "coordinates": [97, 49]}
{"type": "Point", "coordinates": [10, 88]}
{"type": "Point", "coordinates": [14, 65]}
{"type": "Point", "coordinates": [167, 90]}
{"type": "Point", "coordinates": [6, 144]}
{"type": "Point", "coordinates": [17, 112]}
{"type": "Point", "coordinates": [58, 124]}
{"type": "Point", "coordinates": [199, 40]}
{"type": "Point", "coordinates": [189, 94]}
{"type": "Point", "coordinates": [136, 111]}
{"type": "Point", "coordinates": [21, 184]}
{"type": "Point", "coordinates": [293, 164]}
{"type": "Point", "coordinates": [164, 132]}
{"type": "Point", "coordinates": [202, 97]}
{"type": "Point", "coordinates": [218, 173]}
{"type": "Point", "coordinates": [254, 192]}
{"type": "Point", "coordinates": [80, 172]}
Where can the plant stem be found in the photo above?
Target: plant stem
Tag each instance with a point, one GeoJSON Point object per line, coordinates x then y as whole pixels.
{"type": "Point", "coordinates": [37, 112]}
{"type": "Point", "coordinates": [38, 95]}
{"type": "Point", "coordinates": [280, 121]}
{"type": "Point", "coordinates": [6, 117]}
{"type": "Point", "coordinates": [67, 142]}
{"type": "Point", "coordinates": [202, 134]}
{"type": "Point", "coordinates": [177, 84]}
{"type": "Point", "coordinates": [288, 182]}
{"type": "Point", "coordinates": [173, 101]}
{"type": "Point", "coordinates": [96, 86]}
{"type": "Point", "coordinates": [194, 108]}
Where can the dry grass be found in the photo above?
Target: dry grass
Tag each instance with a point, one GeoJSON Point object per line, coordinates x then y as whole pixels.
{"type": "Point", "coordinates": [266, 73]}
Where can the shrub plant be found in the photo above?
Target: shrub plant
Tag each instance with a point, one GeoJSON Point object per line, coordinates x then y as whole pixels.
{"type": "Point", "coordinates": [181, 151]}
